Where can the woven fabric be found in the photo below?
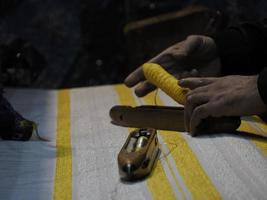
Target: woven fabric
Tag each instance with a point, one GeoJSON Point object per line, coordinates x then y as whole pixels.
{"type": "Point", "coordinates": [80, 160]}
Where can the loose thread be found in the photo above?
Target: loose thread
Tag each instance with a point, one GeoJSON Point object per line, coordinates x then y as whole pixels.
{"type": "Point", "coordinates": [165, 155]}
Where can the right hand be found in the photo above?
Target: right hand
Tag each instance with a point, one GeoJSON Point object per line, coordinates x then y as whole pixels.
{"type": "Point", "coordinates": [195, 56]}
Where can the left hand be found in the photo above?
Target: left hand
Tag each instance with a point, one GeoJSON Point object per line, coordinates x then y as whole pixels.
{"type": "Point", "coordinates": [217, 97]}
{"type": "Point", "coordinates": [195, 56]}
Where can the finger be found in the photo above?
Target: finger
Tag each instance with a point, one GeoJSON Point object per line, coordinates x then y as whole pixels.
{"type": "Point", "coordinates": [144, 88]}
{"type": "Point", "coordinates": [179, 51]}
{"type": "Point", "coordinates": [160, 58]}
{"type": "Point", "coordinates": [135, 77]}
{"type": "Point", "coordinates": [203, 89]}
{"type": "Point", "coordinates": [202, 112]}
{"type": "Point", "coordinates": [193, 83]}
{"type": "Point", "coordinates": [163, 59]}
{"type": "Point", "coordinates": [192, 102]}
{"type": "Point", "coordinates": [186, 47]}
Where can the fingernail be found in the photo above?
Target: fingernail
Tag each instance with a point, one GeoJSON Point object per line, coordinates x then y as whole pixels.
{"type": "Point", "coordinates": [127, 81]}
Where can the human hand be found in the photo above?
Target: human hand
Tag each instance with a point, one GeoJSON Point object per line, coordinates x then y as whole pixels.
{"type": "Point", "coordinates": [217, 97]}
{"type": "Point", "coordinates": [195, 56]}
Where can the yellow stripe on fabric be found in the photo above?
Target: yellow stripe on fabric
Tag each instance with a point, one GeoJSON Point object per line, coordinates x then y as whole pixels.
{"type": "Point", "coordinates": [158, 183]}
{"type": "Point", "coordinates": [260, 123]}
{"type": "Point", "coordinates": [173, 175]}
{"type": "Point", "coordinates": [260, 143]}
{"type": "Point", "coordinates": [125, 95]}
{"type": "Point", "coordinates": [63, 176]}
{"type": "Point", "coordinates": [194, 176]}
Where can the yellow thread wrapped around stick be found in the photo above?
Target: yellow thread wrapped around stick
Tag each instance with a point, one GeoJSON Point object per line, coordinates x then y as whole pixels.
{"type": "Point", "coordinates": [159, 77]}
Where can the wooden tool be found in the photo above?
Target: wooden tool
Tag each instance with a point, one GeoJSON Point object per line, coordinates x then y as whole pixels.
{"type": "Point", "coordinates": [168, 118]}
{"type": "Point", "coordinates": [138, 155]}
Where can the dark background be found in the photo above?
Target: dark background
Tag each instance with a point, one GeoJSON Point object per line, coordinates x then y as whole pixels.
{"type": "Point", "coordinates": [67, 43]}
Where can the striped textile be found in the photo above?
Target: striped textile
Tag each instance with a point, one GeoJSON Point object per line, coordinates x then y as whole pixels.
{"type": "Point", "coordinates": [80, 161]}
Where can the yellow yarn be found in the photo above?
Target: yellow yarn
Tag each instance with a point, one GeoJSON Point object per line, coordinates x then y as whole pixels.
{"type": "Point", "coordinates": [159, 77]}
